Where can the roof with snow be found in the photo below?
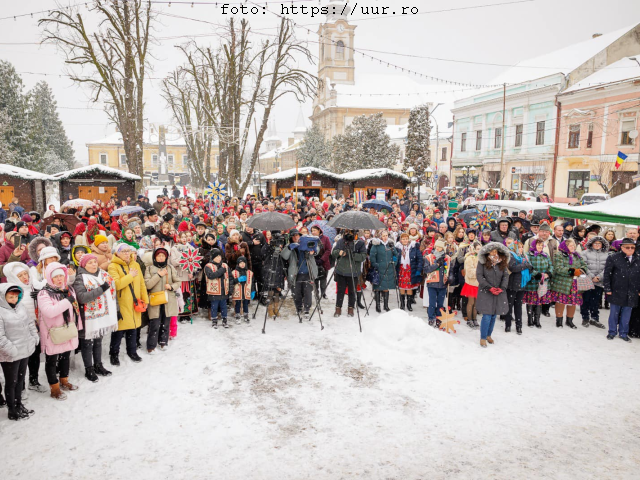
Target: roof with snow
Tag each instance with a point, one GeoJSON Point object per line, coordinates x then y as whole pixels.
{"type": "Point", "coordinates": [619, 72]}
{"type": "Point", "coordinates": [564, 60]}
{"type": "Point", "coordinates": [88, 170]}
{"type": "Point", "coordinates": [369, 173]}
{"type": "Point", "coordinates": [23, 173]}
{"type": "Point", "coordinates": [147, 137]}
{"type": "Point", "coordinates": [397, 132]}
{"type": "Point", "coordinates": [291, 173]}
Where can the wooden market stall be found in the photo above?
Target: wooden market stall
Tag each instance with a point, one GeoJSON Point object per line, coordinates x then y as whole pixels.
{"type": "Point", "coordinates": [372, 182]}
{"type": "Point", "coordinates": [312, 182]}
{"type": "Point", "coordinates": [96, 182]}
{"type": "Point", "coordinates": [28, 186]}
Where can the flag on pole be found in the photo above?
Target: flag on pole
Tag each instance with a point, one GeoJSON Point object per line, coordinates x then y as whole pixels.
{"type": "Point", "coordinates": [620, 160]}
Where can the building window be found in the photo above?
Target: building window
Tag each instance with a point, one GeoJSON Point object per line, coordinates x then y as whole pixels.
{"type": "Point", "coordinates": [185, 160]}
{"type": "Point", "coordinates": [574, 136]}
{"type": "Point", "coordinates": [590, 136]}
{"type": "Point", "coordinates": [444, 154]}
{"type": "Point", "coordinates": [340, 50]}
{"type": "Point", "coordinates": [578, 184]}
{"type": "Point", "coordinates": [519, 130]}
{"type": "Point", "coordinates": [103, 159]}
{"type": "Point", "coordinates": [154, 160]}
{"type": "Point", "coordinates": [123, 160]}
{"type": "Point", "coordinates": [478, 139]}
{"type": "Point", "coordinates": [540, 133]}
{"type": "Point", "coordinates": [218, 161]}
{"type": "Point", "coordinates": [170, 160]}
{"type": "Point", "coordinates": [463, 142]}
{"type": "Point", "coordinates": [498, 143]}
{"type": "Point", "coordinates": [627, 127]}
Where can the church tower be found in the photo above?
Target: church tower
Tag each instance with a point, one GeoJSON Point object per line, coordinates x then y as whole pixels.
{"type": "Point", "coordinates": [336, 45]}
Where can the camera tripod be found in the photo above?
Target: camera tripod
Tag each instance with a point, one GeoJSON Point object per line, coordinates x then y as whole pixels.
{"type": "Point", "coordinates": [312, 281]}
{"type": "Point", "coordinates": [266, 290]}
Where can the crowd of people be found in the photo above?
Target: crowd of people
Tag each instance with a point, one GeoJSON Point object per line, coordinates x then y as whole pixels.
{"type": "Point", "coordinates": [68, 282]}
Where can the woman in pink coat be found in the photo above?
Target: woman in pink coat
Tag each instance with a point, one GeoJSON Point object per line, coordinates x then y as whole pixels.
{"type": "Point", "coordinates": [57, 306]}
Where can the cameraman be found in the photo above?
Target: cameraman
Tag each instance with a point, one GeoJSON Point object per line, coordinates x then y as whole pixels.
{"type": "Point", "coordinates": [349, 253]}
{"type": "Point", "coordinates": [302, 268]}
{"type": "Point", "coordinates": [273, 271]}
{"type": "Point", "coordinates": [323, 260]}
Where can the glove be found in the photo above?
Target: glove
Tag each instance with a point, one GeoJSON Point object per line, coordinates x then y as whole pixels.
{"type": "Point", "coordinates": [538, 276]}
{"type": "Point", "coordinates": [440, 262]}
{"type": "Point", "coordinates": [253, 295]}
{"type": "Point", "coordinates": [572, 271]}
{"type": "Point", "coordinates": [395, 259]}
{"type": "Point", "coordinates": [105, 286]}
{"type": "Point", "coordinates": [293, 246]}
{"type": "Point", "coordinates": [34, 294]}
{"type": "Point", "coordinates": [242, 279]}
{"type": "Point", "coordinates": [495, 290]}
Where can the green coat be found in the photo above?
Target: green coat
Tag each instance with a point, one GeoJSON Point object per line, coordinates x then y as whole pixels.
{"type": "Point", "coordinates": [384, 258]}
{"type": "Point", "coordinates": [540, 264]}
{"type": "Point", "coordinates": [562, 280]}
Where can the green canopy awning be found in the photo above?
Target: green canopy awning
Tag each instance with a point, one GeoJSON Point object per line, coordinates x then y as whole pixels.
{"type": "Point", "coordinates": [623, 209]}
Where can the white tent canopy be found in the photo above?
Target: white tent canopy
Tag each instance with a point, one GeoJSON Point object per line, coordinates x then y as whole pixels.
{"type": "Point", "coordinates": [621, 209]}
{"type": "Point", "coordinates": [518, 204]}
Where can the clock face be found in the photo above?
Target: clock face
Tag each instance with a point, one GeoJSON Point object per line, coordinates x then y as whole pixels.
{"type": "Point", "coordinates": [341, 28]}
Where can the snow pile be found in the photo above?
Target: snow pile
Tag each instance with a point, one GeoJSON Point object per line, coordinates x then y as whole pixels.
{"type": "Point", "coordinates": [401, 333]}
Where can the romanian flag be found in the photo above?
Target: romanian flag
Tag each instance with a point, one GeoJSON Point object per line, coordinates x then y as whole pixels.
{"type": "Point", "coordinates": [620, 160]}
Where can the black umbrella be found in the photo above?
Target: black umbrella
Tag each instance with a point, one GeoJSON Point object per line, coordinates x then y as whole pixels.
{"type": "Point", "coordinates": [271, 221]}
{"type": "Point", "coordinates": [355, 220]}
{"type": "Point", "coordinates": [468, 215]}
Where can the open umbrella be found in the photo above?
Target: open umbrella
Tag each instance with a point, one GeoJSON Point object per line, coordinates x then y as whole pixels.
{"type": "Point", "coordinates": [271, 221]}
{"type": "Point", "coordinates": [377, 204]}
{"type": "Point", "coordinates": [327, 231]}
{"type": "Point", "coordinates": [69, 221]}
{"type": "Point", "coordinates": [355, 220]}
{"type": "Point", "coordinates": [128, 209]}
{"type": "Point", "coordinates": [77, 203]}
{"type": "Point", "coordinates": [468, 215]}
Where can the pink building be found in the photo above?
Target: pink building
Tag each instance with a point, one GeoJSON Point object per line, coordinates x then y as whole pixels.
{"type": "Point", "coordinates": [599, 117]}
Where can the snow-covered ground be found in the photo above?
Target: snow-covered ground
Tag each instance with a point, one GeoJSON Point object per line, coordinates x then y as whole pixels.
{"type": "Point", "coordinates": [398, 401]}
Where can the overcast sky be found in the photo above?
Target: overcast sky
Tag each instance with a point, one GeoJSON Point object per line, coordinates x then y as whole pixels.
{"type": "Point", "coordinates": [502, 34]}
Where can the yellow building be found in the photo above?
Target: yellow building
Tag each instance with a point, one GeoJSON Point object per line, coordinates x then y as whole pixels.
{"type": "Point", "coordinates": [109, 151]}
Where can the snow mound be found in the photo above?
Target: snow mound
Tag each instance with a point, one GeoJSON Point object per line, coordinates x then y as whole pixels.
{"type": "Point", "coordinates": [403, 333]}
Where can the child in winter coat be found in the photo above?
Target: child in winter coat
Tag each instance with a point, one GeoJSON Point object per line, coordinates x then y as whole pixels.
{"type": "Point", "coordinates": [217, 274]}
{"type": "Point", "coordinates": [18, 340]}
{"type": "Point", "coordinates": [436, 268]}
{"type": "Point", "coordinates": [243, 288]}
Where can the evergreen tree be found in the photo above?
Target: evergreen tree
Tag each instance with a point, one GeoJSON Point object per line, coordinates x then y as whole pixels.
{"type": "Point", "coordinates": [364, 144]}
{"type": "Point", "coordinates": [52, 163]}
{"type": "Point", "coordinates": [46, 131]}
{"type": "Point", "coordinates": [315, 150]}
{"type": "Point", "coordinates": [418, 151]}
{"type": "Point", "coordinates": [14, 110]}
{"type": "Point", "coordinates": [6, 153]}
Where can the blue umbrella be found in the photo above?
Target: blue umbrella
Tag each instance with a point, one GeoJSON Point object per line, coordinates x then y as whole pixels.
{"type": "Point", "coordinates": [128, 209]}
{"type": "Point", "coordinates": [377, 204]}
{"type": "Point", "coordinates": [326, 230]}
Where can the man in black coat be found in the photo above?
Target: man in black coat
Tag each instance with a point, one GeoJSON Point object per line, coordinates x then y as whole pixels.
{"type": "Point", "coordinates": [622, 287]}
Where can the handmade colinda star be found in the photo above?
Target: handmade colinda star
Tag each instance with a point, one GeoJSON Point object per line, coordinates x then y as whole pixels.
{"type": "Point", "coordinates": [446, 320]}
{"type": "Point", "coordinates": [190, 259]}
{"type": "Point", "coordinates": [215, 190]}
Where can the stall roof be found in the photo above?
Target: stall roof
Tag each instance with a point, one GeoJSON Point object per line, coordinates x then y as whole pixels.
{"type": "Point", "coordinates": [519, 205]}
{"type": "Point", "coordinates": [621, 209]}
{"type": "Point", "coordinates": [22, 173]}
{"type": "Point", "coordinates": [291, 173]}
{"type": "Point", "coordinates": [95, 169]}
{"type": "Point", "coordinates": [370, 173]}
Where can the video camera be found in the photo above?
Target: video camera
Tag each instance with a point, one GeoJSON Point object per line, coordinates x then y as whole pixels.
{"type": "Point", "coordinates": [308, 243]}
{"type": "Point", "coordinates": [278, 240]}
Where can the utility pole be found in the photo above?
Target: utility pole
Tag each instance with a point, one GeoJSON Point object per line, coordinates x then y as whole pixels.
{"type": "Point", "coordinates": [504, 108]}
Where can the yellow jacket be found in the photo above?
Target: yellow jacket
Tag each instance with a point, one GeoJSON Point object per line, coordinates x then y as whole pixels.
{"type": "Point", "coordinates": [130, 318]}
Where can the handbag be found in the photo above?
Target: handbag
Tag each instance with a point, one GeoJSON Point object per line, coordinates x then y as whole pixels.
{"type": "Point", "coordinates": [63, 334]}
{"type": "Point", "coordinates": [162, 297]}
{"type": "Point", "coordinates": [374, 276]}
{"type": "Point", "coordinates": [584, 283]}
{"type": "Point", "coordinates": [543, 288]}
{"type": "Point", "coordinates": [138, 305]}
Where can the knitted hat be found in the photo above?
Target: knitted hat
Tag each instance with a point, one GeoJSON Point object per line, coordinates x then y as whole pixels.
{"type": "Point", "coordinates": [98, 239]}
{"type": "Point", "coordinates": [241, 259]}
{"type": "Point", "coordinates": [56, 272]}
{"type": "Point", "coordinates": [215, 252]}
{"type": "Point", "coordinates": [183, 227]}
{"type": "Point", "coordinates": [27, 218]}
{"type": "Point", "coordinates": [86, 258]}
{"type": "Point", "coordinates": [440, 243]}
{"type": "Point", "coordinates": [233, 232]}
{"type": "Point", "coordinates": [119, 247]}
{"type": "Point", "coordinates": [48, 252]}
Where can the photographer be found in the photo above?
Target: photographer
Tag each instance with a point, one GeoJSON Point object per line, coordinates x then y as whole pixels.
{"type": "Point", "coordinates": [349, 254]}
{"type": "Point", "coordinates": [323, 260]}
{"type": "Point", "coordinates": [273, 271]}
{"type": "Point", "coordinates": [302, 268]}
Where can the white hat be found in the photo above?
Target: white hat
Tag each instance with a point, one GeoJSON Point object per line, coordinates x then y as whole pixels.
{"type": "Point", "coordinates": [233, 232]}
{"type": "Point", "coordinates": [48, 252]}
{"type": "Point", "coordinates": [56, 272]}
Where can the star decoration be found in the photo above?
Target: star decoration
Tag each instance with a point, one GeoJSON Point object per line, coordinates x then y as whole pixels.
{"type": "Point", "coordinates": [190, 259]}
{"type": "Point", "coordinates": [215, 190]}
{"type": "Point", "coordinates": [446, 320]}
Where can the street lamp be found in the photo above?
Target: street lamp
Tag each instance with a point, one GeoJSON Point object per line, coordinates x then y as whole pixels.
{"type": "Point", "coordinates": [410, 173]}
{"type": "Point", "coordinates": [468, 174]}
{"type": "Point", "coordinates": [428, 173]}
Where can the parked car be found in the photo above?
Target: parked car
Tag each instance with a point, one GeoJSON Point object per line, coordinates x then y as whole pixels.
{"type": "Point", "coordinates": [591, 198]}
{"type": "Point", "coordinates": [528, 195]}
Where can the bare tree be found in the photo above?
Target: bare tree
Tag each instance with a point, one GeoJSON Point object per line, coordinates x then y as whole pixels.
{"type": "Point", "coordinates": [181, 94]}
{"type": "Point", "coordinates": [537, 178]}
{"type": "Point", "coordinates": [493, 178]}
{"type": "Point", "coordinates": [604, 173]}
{"type": "Point", "coordinates": [239, 78]}
{"type": "Point", "coordinates": [112, 59]}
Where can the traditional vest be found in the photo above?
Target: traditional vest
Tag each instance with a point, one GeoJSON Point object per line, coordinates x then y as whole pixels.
{"type": "Point", "coordinates": [214, 285]}
{"type": "Point", "coordinates": [237, 289]}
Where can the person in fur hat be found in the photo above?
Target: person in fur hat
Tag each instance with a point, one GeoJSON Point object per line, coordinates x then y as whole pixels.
{"type": "Point", "coordinates": [493, 278]}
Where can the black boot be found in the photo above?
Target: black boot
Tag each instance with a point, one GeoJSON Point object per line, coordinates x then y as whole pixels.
{"type": "Point", "coordinates": [559, 322]}
{"type": "Point", "coordinates": [536, 316]}
{"type": "Point", "coordinates": [401, 302]}
{"type": "Point", "coordinates": [24, 410]}
{"type": "Point", "coordinates": [214, 323]}
{"type": "Point", "coordinates": [409, 307]}
{"type": "Point", "coordinates": [570, 324]}
{"type": "Point", "coordinates": [545, 310]}
{"type": "Point", "coordinates": [585, 322]}
{"type": "Point", "coordinates": [519, 327]}
{"type": "Point", "coordinates": [90, 374]}
{"type": "Point", "coordinates": [135, 357]}
{"type": "Point", "coordinates": [385, 296]}
{"type": "Point", "coordinates": [529, 316]}
{"type": "Point", "coordinates": [361, 305]}
{"type": "Point", "coordinates": [115, 361]}
{"type": "Point", "coordinates": [224, 323]}
{"type": "Point", "coordinates": [14, 414]}
{"type": "Point", "coordinates": [3, 402]}
{"type": "Point", "coordinates": [100, 370]}
{"type": "Point", "coordinates": [377, 296]}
